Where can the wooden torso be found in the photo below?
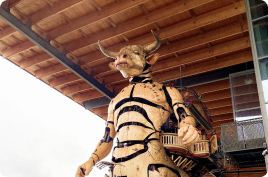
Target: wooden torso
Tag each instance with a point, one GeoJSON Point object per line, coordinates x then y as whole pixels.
{"type": "Point", "coordinates": [143, 103]}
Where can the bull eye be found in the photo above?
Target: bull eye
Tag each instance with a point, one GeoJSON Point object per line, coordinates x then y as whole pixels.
{"type": "Point", "coordinates": [136, 52]}
{"type": "Point", "coordinates": [125, 56]}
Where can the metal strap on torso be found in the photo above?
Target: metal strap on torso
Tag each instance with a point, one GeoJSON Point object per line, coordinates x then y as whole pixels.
{"type": "Point", "coordinates": [133, 142]}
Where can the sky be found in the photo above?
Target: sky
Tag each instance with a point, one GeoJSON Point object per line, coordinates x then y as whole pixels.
{"type": "Point", "coordinates": [42, 132]}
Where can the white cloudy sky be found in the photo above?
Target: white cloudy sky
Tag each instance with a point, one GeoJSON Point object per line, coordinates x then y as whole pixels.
{"type": "Point", "coordinates": [42, 132]}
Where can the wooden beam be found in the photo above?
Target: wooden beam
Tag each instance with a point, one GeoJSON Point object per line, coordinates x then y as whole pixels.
{"type": "Point", "coordinates": [197, 56]}
{"type": "Point", "coordinates": [100, 110]}
{"type": "Point", "coordinates": [218, 123]}
{"type": "Point", "coordinates": [179, 28]}
{"type": "Point", "coordinates": [75, 88]}
{"type": "Point", "coordinates": [203, 54]}
{"type": "Point", "coordinates": [221, 117]}
{"type": "Point", "coordinates": [211, 87]}
{"type": "Point", "coordinates": [209, 65]}
{"type": "Point", "coordinates": [201, 39]}
{"type": "Point", "coordinates": [222, 110]}
{"type": "Point", "coordinates": [97, 55]}
{"type": "Point", "coordinates": [11, 3]}
{"type": "Point", "coordinates": [42, 14]}
{"type": "Point", "coordinates": [83, 21]}
{"type": "Point", "coordinates": [191, 70]}
{"type": "Point", "coordinates": [164, 33]}
{"type": "Point", "coordinates": [217, 95]}
{"type": "Point", "coordinates": [219, 103]}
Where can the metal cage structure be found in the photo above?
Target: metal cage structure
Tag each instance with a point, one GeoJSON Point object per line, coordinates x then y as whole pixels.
{"type": "Point", "coordinates": [243, 142]}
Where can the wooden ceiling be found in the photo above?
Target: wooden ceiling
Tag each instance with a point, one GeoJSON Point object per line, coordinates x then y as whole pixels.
{"type": "Point", "coordinates": [198, 36]}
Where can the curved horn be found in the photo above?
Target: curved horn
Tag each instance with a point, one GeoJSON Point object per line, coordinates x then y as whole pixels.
{"type": "Point", "coordinates": [107, 52]}
{"type": "Point", "coordinates": [150, 48]}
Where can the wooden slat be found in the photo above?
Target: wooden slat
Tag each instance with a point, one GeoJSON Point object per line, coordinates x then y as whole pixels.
{"type": "Point", "coordinates": [104, 34]}
{"type": "Point", "coordinates": [217, 95]}
{"type": "Point", "coordinates": [183, 27]}
{"type": "Point", "coordinates": [180, 28]}
{"type": "Point", "coordinates": [40, 15]}
{"type": "Point", "coordinates": [197, 56]}
{"type": "Point", "coordinates": [100, 110]}
{"type": "Point", "coordinates": [207, 66]}
{"type": "Point", "coordinates": [221, 117]}
{"type": "Point", "coordinates": [83, 21]}
{"type": "Point", "coordinates": [219, 103]}
{"type": "Point", "coordinates": [218, 123]}
{"type": "Point", "coordinates": [165, 50]}
{"type": "Point", "coordinates": [195, 69]}
{"type": "Point", "coordinates": [222, 110]}
{"type": "Point", "coordinates": [211, 87]}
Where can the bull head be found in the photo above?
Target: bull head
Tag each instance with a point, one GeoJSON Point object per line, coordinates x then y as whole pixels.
{"type": "Point", "coordinates": [132, 59]}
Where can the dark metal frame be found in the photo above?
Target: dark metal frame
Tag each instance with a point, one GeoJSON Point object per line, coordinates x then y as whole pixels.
{"type": "Point", "coordinates": [45, 45]}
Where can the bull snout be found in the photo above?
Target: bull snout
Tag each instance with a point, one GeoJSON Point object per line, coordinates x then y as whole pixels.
{"type": "Point", "coordinates": [121, 59]}
{"type": "Point", "coordinates": [118, 57]}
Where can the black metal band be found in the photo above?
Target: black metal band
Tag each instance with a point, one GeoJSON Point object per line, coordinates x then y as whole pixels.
{"type": "Point", "coordinates": [153, 167]}
{"type": "Point", "coordinates": [82, 170]}
{"type": "Point", "coordinates": [97, 156]}
{"type": "Point", "coordinates": [168, 98]}
{"type": "Point", "coordinates": [110, 122]}
{"type": "Point", "coordinates": [123, 159]}
{"type": "Point", "coordinates": [139, 100]}
{"type": "Point", "coordinates": [138, 109]}
{"type": "Point", "coordinates": [132, 123]}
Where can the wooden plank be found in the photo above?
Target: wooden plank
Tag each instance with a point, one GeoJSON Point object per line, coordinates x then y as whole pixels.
{"type": "Point", "coordinates": [200, 40]}
{"type": "Point", "coordinates": [100, 110]}
{"type": "Point", "coordinates": [12, 3]}
{"type": "Point", "coordinates": [222, 110]}
{"type": "Point", "coordinates": [205, 67]}
{"type": "Point", "coordinates": [218, 123]}
{"type": "Point", "coordinates": [75, 88]}
{"type": "Point", "coordinates": [211, 87]}
{"type": "Point", "coordinates": [197, 56]}
{"type": "Point", "coordinates": [42, 14]}
{"type": "Point", "coordinates": [203, 54]}
{"type": "Point", "coordinates": [217, 95]}
{"type": "Point", "coordinates": [219, 103]}
{"type": "Point", "coordinates": [83, 21]}
{"type": "Point", "coordinates": [256, 174]}
{"type": "Point", "coordinates": [178, 28]}
{"type": "Point", "coordinates": [221, 117]}
{"type": "Point", "coordinates": [164, 33]}
{"type": "Point", "coordinates": [194, 69]}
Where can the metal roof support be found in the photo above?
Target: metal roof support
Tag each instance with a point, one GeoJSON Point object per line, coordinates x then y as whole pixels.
{"type": "Point", "coordinates": [96, 103]}
{"type": "Point", "coordinates": [45, 45]}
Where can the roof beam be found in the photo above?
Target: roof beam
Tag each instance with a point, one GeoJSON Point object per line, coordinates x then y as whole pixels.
{"type": "Point", "coordinates": [52, 51]}
{"type": "Point", "coordinates": [10, 3]}
{"type": "Point", "coordinates": [201, 39]}
{"type": "Point", "coordinates": [170, 31]}
{"type": "Point", "coordinates": [229, 62]}
{"type": "Point", "coordinates": [40, 15]}
{"type": "Point", "coordinates": [190, 59]}
{"type": "Point", "coordinates": [92, 17]}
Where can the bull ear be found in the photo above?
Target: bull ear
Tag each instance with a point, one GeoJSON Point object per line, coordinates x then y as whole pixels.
{"type": "Point", "coordinates": [112, 66]}
{"type": "Point", "coordinates": [152, 59]}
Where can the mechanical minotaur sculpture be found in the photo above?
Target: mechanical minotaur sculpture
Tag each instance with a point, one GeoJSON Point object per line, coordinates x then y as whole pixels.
{"type": "Point", "coordinates": [135, 116]}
